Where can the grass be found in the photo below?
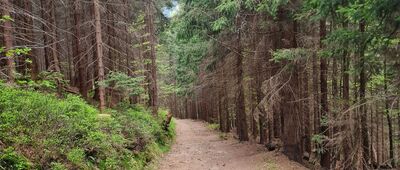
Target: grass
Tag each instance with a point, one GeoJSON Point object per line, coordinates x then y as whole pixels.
{"type": "Point", "coordinates": [270, 165]}
{"type": "Point", "coordinates": [213, 126]}
{"type": "Point", "coordinates": [223, 136]}
{"type": "Point", "coordinates": [40, 131]}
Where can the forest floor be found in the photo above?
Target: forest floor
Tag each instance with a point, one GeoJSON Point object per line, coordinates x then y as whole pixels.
{"type": "Point", "coordinates": [200, 148]}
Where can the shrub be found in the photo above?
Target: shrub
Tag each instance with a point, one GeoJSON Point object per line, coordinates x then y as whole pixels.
{"type": "Point", "coordinates": [213, 126]}
{"type": "Point", "coordinates": [39, 131]}
{"type": "Point", "coordinates": [9, 159]}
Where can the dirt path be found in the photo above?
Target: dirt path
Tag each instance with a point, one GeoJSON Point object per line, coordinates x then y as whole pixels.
{"type": "Point", "coordinates": [198, 148]}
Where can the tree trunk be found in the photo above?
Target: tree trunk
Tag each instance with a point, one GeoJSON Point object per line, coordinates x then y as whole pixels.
{"type": "Point", "coordinates": [324, 129]}
{"type": "Point", "coordinates": [50, 40]}
{"type": "Point", "coordinates": [306, 110]}
{"type": "Point", "coordinates": [346, 106]}
{"type": "Point", "coordinates": [53, 27]}
{"type": "Point", "coordinates": [99, 50]}
{"type": "Point", "coordinates": [240, 103]}
{"type": "Point", "coordinates": [79, 60]}
{"type": "Point", "coordinates": [31, 39]}
{"type": "Point", "coordinates": [388, 116]}
{"type": "Point", "coordinates": [8, 41]}
{"type": "Point", "coordinates": [153, 92]}
{"type": "Point", "coordinates": [363, 109]}
{"type": "Point", "coordinates": [315, 89]}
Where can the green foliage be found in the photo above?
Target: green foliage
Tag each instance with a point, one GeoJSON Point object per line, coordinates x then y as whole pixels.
{"type": "Point", "coordinates": [17, 52]}
{"type": "Point", "coordinates": [69, 134]}
{"type": "Point", "coordinates": [344, 38]}
{"type": "Point", "coordinates": [57, 166]}
{"type": "Point", "coordinates": [188, 54]}
{"type": "Point", "coordinates": [9, 159]}
{"type": "Point", "coordinates": [213, 126]}
{"type": "Point", "coordinates": [324, 121]}
{"type": "Point", "coordinates": [271, 6]}
{"type": "Point", "coordinates": [220, 23]}
{"type": "Point", "coordinates": [129, 86]}
{"type": "Point", "coordinates": [317, 9]}
{"type": "Point", "coordinates": [377, 81]}
{"type": "Point", "coordinates": [46, 81]}
{"type": "Point", "coordinates": [76, 156]}
{"type": "Point", "coordinates": [289, 54]}
{"type": "Point", "coordinates": [228, 7]}
{"type": "Point", "coordinates": [319, 139]}
{"type": "Point", "coordinates": [6, 18]}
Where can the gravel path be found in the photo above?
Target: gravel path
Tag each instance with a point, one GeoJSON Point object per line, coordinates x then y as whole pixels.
{"type": "Point", "coordinates": [198, 148]}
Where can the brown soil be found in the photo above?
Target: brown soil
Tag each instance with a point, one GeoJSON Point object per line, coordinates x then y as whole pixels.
{"type": "Point", "coordinates": [199, 148]}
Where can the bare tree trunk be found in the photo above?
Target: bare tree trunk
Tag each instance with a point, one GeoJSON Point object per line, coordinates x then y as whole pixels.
{"type": "Point", "coordinates": [346, 106]}
{"type": "Point", "coordinates": [255, 92]}
{"type": "Point", "coordinates": [99, 50]}
{"type": "Point", "coordinates": [326, 156]}
{"type": "Point", "coordinates": [306, 110]}
{"type": "Point", "coordinates": [79, 60]}
{"type": "Point", "coordinates": [315, 90]}
{"type": "Point", "coordinates": [129, 53]}
{"type": "Point", "coordinates": [226, 106]}
{"type": "Point", "coordinates": [8, 41]}
{"type": "Point", "coordinates": [53, 28]}
{"type": "Point", "coordinates": [240, 103]}
{"type": "Point", "coordinates": [50, 39]}
{"type": "Point", "coordinates": [388, 116]}
{"type": "Point", "coordinates": [153, 92]}
{"type": "Point", "coordinates": [363, 109]}
{"type": "Point", "coordinates": [50, 36]}
{"type": "Point", "coordinates": [33, 56]}
{"type": "Point", "coordinates": [222, 100]}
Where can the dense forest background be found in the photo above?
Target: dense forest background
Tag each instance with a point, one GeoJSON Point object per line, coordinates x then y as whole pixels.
{"type": "Point", "coordinates": [102, 51]}
{"type": "Point", "coordinates": [319, 76]}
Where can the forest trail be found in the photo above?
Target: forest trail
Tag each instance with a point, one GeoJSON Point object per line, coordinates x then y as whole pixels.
{"type": "Point", "coordinates": [199, 148]}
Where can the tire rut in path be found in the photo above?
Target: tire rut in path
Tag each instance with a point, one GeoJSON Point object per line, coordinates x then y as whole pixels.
{"type": "Point", "coordinates": [198, 148]}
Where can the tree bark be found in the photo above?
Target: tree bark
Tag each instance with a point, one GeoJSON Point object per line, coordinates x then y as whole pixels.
{"type": "Point", "coordinates": [324, 129]}
{"type": "Point", "coordinates": [31, 39]}
{"type": "Point", "coordinates": [99, 52]}
{"type": "Point", "coordinates": [240, 103]}
{"type": "Point", "coordinates": [363, 109]}
{"type": "Point", "coordinates": [8, 41]}
{"type": "Point", "coordinates": [79, 60]}
{"type": "Point", "coordinates": [152, 87]}
{"type": "Point", "coordinates": [388, 116]}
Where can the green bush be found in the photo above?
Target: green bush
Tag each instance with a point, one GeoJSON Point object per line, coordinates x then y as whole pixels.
{"type": "Point", "coordinates": [9, 159]}
{"type": "Point", "coordinates": [213, 126]}
{"type": "Point", "coordinates": [39, 131]}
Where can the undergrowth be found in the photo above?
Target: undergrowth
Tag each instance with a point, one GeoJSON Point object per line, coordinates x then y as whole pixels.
{"type": "Point", "coordinates": [39, 131]}
{"type": "Point", "coordinates": [213, 126]}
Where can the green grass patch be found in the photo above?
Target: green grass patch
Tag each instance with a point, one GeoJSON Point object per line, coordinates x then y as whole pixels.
{"type": "Point", "coordinates": [270, 165]}
{"type": "Point", "coordinates": [39, 131]}
{"type": "Point", "coordinates": [213, 126]}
